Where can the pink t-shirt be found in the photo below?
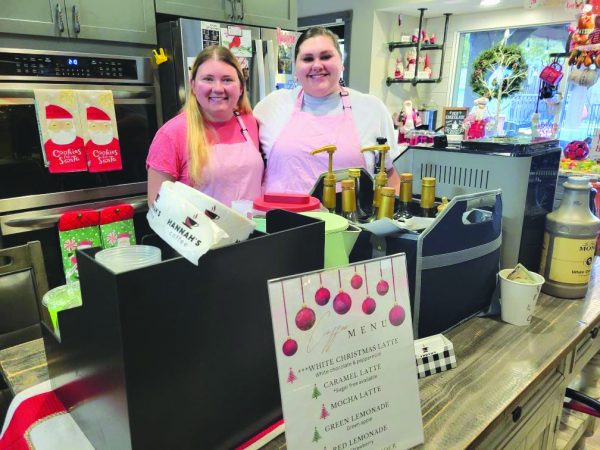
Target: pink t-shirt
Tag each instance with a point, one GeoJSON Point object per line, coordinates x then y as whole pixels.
{"type": "Point", "coordinates": [168, 151]}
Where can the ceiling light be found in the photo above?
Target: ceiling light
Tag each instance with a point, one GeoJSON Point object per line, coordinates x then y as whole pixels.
{"type": "Point", "coordinates": [489, 2]}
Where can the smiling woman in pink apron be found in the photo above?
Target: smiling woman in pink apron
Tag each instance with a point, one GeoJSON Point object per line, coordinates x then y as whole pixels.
{"type": "Point", "coordinates": [213, 143]}
{"type": "Point", "coordinates": [319, 112]}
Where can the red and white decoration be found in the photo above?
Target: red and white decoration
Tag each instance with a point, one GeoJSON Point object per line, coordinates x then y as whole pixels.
{"type": "Point", "coordinates": [59, 126]}
{"type": "Point", "coordinates": [99, 126]}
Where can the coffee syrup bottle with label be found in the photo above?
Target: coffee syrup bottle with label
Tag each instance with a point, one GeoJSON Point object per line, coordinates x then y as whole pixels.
{"type": "Point", "coordinates": [570, 242]}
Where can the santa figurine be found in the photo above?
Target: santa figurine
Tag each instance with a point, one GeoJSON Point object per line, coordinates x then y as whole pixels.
{"type": "Point", "coordinates": [399, 70]}
{"type": "Point", "coordinates": [411, 63]}
{"type": "Point", "coordinates": [477, 119]}
{"type": "Point", "coordinates": [406, 121]}
{"type": "Point", "coordinates": [63, 148]}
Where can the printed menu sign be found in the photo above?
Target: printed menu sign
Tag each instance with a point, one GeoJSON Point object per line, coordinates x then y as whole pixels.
{"type": "Point", "coordinates": [453, 121]}
{"type": "Point", "coordinates": [346, 359]}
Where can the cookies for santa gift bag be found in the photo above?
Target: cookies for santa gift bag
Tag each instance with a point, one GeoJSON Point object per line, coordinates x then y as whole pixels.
{"type": "Point", "coordinates": [77, 230]}
{"type": "Point", "coordinates": [116, 226]}
{"type": "Point", "coordinates": [58, 121]}
{"type": "Point", "coordinates": [99, 130]}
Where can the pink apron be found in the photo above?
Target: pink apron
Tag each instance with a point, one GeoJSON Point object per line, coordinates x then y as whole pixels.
{"type": "Point", "coordinates": [234, 171]}
{"type": "Point", "coordinates": [291, 168]}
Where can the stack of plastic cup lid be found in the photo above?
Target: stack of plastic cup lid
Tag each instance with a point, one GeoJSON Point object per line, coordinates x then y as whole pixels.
{"type": "Point", "coordinates": [121, 259]}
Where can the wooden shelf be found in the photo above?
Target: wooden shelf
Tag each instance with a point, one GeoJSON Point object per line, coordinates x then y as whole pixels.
{"type": "Point", "coordinates": [393, 45]}
{"type": "Point", "coordinates": [389, 81]}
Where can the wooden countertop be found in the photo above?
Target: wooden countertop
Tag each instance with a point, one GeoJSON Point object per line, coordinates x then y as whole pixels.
{"type": "Point", "coordinates": [24, 365]}
{"type": "Point", "coordinates": [498, 363]}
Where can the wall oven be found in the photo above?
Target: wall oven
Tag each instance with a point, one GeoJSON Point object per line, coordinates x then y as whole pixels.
{"type": "Point", "coordinates": [31, 198]}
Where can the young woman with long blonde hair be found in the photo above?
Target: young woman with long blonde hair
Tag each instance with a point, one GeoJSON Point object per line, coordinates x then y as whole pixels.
{"type": "Point", "coordinates": [212, 144]}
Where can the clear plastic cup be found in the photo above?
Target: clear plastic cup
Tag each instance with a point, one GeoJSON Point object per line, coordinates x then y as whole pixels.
{"type": "Point", "coordinates": [121, 259]}
{"type": "Point", "coordinates": [60, 298]}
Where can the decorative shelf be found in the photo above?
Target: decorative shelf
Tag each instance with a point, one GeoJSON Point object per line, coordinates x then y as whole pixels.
{"type": "Point", "coordinates": [389, 81]}
{"type": "Point", "coordinates": [393, 45]}
{"type": "Point", "coordinates": [420, 47]}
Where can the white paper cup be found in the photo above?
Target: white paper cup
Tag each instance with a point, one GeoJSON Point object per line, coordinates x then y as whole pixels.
{"type": "Point", "coordinates": [518, 299]}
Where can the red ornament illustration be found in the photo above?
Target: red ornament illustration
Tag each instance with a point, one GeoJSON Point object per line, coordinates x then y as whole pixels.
{"type": "Point", "coordinates": [356, 281]}
{"type": "Point", "coordinates": [290, 347]}
{"type": "Point", "coordinates": [305, 318]}
{"type": "Point", "coordinates": [342, 302]}
{"type": "Point", "coordinates": [383, 286]}
{"type": "Point", "coordinates": [397, 315]}
{"type": "Point", "coordinates": [322, 295]}
{"type": "Point", "coordinates": [369, 305]}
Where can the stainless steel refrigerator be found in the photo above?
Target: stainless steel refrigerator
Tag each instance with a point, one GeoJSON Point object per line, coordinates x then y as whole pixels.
{"type": "Point", "coordinates": [266, 56]}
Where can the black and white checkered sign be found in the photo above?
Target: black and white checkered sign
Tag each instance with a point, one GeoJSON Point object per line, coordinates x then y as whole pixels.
{"type": "Point", "coordinates": [431, 363]}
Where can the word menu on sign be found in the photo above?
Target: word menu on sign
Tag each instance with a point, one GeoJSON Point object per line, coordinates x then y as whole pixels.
{"type": "Point", "coordinates": [345, 357]}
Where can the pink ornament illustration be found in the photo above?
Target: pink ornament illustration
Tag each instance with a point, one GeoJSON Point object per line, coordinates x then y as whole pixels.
{"type": "Point", "coordinates": [383, 286]}
{"type": "Point", "coordinates": [305, 318]}
{"type": "Point", "coordinates": [290, 346]}
{"type": "Point", "coordinates": [342, 301]}
{"type": "Point", "coordinates": [70, 245]}
{"type": "Point", "coordinates": [356, 281]}
{"type": "Point", "coordinates": [368, 304]}
{"type": "Point", "coordinates": [397, 313]}
{"type": "Point", "coordinates": [322, 295]}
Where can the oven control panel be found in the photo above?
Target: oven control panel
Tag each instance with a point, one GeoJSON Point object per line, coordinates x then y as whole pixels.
{"type": "Point", "coordinates": [65, 66]}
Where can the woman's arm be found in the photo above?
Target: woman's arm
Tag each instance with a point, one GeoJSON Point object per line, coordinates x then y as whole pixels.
{"type": "Point", "coordinates": [155, 180]}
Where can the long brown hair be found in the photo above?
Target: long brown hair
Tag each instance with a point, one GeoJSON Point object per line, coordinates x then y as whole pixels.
{"type": "Point", "coordinates": [197, 141]}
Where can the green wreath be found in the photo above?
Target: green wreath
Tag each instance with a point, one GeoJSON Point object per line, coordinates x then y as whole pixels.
{"type": "Point", "coordinates": [500, 55]}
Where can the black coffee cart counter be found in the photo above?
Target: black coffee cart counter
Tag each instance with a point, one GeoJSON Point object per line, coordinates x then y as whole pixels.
{"type": "Point", "coordinates": [508, 387]}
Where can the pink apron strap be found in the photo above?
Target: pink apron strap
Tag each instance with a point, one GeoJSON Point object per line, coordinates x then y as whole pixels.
{"type": "Point", "coordinates": [242, 125]}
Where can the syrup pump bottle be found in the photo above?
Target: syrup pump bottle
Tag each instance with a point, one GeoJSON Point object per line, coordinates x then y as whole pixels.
{"type": "Point", "coordinates": [428, 208]}
{"type": "Point", "coordinates": [349, 200]}
{"type": "Point", "coordinates": [406, 181]}
{"type": "Point", "coordinates": [381, 178]}
{"type": "Point", "coordinates": [386, 206]}
{"type": "Point", "coordinates": [570, 242]}
{"type": "Point", "coordinates": [328, 199]}
{"type": "Point", "coordinates": [354, 174]}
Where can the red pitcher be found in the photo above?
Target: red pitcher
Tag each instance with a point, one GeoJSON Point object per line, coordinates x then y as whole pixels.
{"type": "Point", "coordinates": [552, 74]}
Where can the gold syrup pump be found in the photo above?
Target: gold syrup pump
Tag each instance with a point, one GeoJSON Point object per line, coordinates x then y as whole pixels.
{"type": "Point", "coordinates": [381, 178]}
{"type": "Point", "coordinates": [329, 178]}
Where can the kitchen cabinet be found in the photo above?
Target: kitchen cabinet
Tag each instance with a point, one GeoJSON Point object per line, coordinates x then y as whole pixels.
{"type": "Point", "coordinates": [261, 13]}
{"type": "Point", "coordinates": [267, 13]}
{"type": "Point", "coordinates": [111, 20]}
{"type": "Point", "coordinates": [219, 10]}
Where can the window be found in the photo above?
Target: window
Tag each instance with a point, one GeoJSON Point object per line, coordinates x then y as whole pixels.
{"type": "Point", "coordinates": [536, 44]}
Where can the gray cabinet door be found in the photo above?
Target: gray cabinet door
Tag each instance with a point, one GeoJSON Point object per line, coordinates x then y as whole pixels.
{"type": "Point", "coordinates": [112, 20]}
{"type": "Point", "coordinates": [36, 17]}
{"type": "Point", "coordinates": [268, 13]}
{"type": "Point", "coordinates": [219, 10]}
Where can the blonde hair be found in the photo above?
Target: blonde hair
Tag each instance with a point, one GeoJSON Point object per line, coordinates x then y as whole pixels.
{"type": "Point", "coordinates": [197, 141]}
